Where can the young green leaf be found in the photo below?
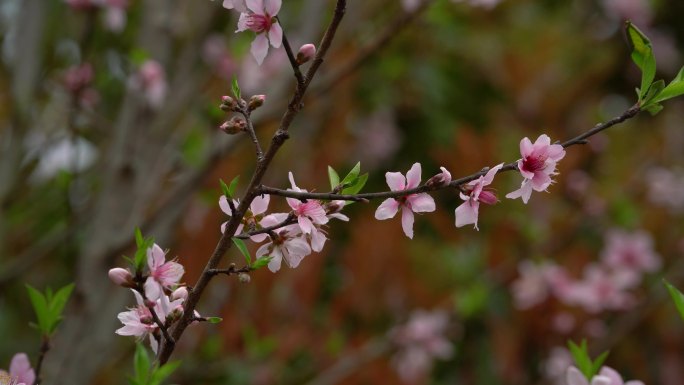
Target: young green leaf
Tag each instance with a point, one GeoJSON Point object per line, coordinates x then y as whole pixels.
{"type": "Point", "coordinates": [40, 306]}
{"type": "Point", "coordinates": [233, 186]}
{"type": "Point", "coordinates": [138, 237]}
{"type": "Point", "coordinates": [352, 175]}
{"type": "Point", "coordinates": [240, 244]}
{"type": "Point", "coordinates": [674, 89]}
{"type": "Point", "coordinates": [214, 320]}
{"type": "Point", "coordinates": [357, 185]}
{"type": "Point", "coordinates": [333, 177]}
{"type": "Point", "coordinates": [56, 305]}
{"type": "Point", "coordinates": [261, 262]}
{"type": "Point", "coordinates": [160, 374]}
{"type": "Point", "coordinates": [141, 364]}
{"type": "Point", "coordinates": [235, 88]}
{"type": "Point", "coordinates": [225, 189]}
{"type": "Point", "coordinates": [642, 55]}
{"type": "Point", "coordinates": [598, 362]}
{"type": "Point", "coordinates": [677, 297]}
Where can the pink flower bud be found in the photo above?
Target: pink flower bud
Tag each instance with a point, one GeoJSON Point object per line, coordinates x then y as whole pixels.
{"type": "Point", "coordinates": [487, 197]}
{"type": "Point", "coordinates": [181, 292]}
{"type": "Point", "coordinates": [440, 180]}
{"type": "Point", "coordinates": [306, 53]}
{"type": "Point", "coordinates": [256, 101]}
{"type": "Point", "coordinates": [228, 103]}
{"type": "Point", "coordinates": [233, 126]}
{"type": "Point", "coordinates": [121, 277]}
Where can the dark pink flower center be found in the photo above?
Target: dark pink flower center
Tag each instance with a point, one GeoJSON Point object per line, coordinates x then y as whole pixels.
{"type": "Point", "coordinates": [534, 162]}
{"type": "Point", "coordinates": [259, 23]}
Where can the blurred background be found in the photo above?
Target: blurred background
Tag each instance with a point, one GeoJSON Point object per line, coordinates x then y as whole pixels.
{"type": "Point", "coordinates": [109, 120]}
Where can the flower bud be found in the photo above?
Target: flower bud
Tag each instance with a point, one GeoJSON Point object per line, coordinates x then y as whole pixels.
{"type": "Point", "coordinates": [244, 278]}
{"type": "Point", "coordinates": [233, 126]}
{"type": "Point", "coordinates": [256, 101]}
{"type": "Point", "coordinates": [335, 206]}
{"type": "Point", "coordinates": [487, 197]}
{"type": "Point", "coordinates": [440, 180]}
{"type": "Point", "coordinates": [306, 53]}
{"type": "Point", "coordinates": [121, 277]}
{"type": "Point", "coordinates": [228, 103]}
{"type": "Point", "coordinates": [180, 293]}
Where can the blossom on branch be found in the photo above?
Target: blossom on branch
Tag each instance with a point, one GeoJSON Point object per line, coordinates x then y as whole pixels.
{"type": "Point", "coordinates": [251, 219]}
{"type": "Point", "coordinates": [413, 203]}
{"type": "Point", "coordinates": [260, 17]}
{"type": "Point", "coordinates": [163, 275]}
{"type": "Point", "coordinates": [475, 193]}
{"type": "Point", "coordinates": [139, 322]}
{"type": "Point", "coordinates": [286, 243]}
{"type": "Point", "coordinates": [20, 371]}
{"type": "Point", "coordinates": [309, 213]}
{"type": "Point", "coordinates": [537, 166]}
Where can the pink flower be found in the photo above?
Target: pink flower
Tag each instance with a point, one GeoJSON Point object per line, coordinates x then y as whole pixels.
{"type": "Point", "coordinates": [537, 166]}
{"type": "Point", "coordinates": [630, 251]}
{"type": "Point", "coordinates": [288, 244]}
{"type": "Point", "coordinates": [601, 289]}
{"type": "Point", "coordinates": [139, 321]}
{"type": "Point", "coordinates": [440, 180]}
{"type": "Point", "coordinates": [151, 80]}
{"type": "Point", "coordinates": [260, 18]}
{"type": "Point", "coordinates": [467, 212]}
{"type": "Point", "coordinates": [309, 213]}
{"type": "Point", "coordinates": [20, 371]}
{"type": "Point", "coordinates": [414, 203]}
{"type": "Point", "coordinates": [607, 376]}
{"type": "Point", "coordinates": [252, 218]}
{"type": "Point", "coordinates": [537, 282]}
{"type": "Point", "coordinates": [421, 340]}
{"type": "Point", "coordinates": [162, 275]}
{"type": "Point", "coordinates": [238, 5]}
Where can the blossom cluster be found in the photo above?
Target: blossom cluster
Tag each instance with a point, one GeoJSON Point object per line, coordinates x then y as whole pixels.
{"type": "Point", "coordinates": [158, 293]}
{"type": "Point", "coordinates": [605, 285]}
{"type": "Point", "coordinates": [291, 242]}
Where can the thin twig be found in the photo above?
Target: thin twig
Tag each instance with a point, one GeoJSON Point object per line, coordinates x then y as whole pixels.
{"type": "Point", "coordinates": [232, 270]}
{"type": "Point", "coordinates": [252, 134]}
{"type": "Point", "coordinates": [44, 348]}
{"type": "Point", "coordinates": [293, 60]}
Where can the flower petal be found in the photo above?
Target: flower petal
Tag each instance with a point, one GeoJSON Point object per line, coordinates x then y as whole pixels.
{"type": "Point", "coordinates": [256, 6]}
{"type": "Point", "coordinates": [260, 204]}
{"type": "Point", "coordinates": [407, 222]}
{"type": "Point", "coordinates": [524, 192]}
{"type": "Point", "coordinates": [242, 22]}
{"type": "Point", "coordinates": [153, 289]}
{"type": "Point", "coordinates": [489, 176]}
{"type": "Point", "coordinates": [467, 213]}
{"type": "Point", "coordinates": [223, 204]}
{"type": "Point", "coordinates": [259, 48]}
{"type": "Point", "coordinates": [20, 368]}
{"type": "Point", "coordinates": [413, 176]}
{"type": "Point", "coordinates": [395, 181]}
{"type": "Point", "coordinates": [574, 377]}
{"type": "Point", "coordinates": [275, 35]}
{"type": "Point", "coordinates": [421, 203]}
{"type": "Point", "coordinates": [272, 7]}
{"type": "Point", "coordinates": [526, 147]}
{"type": "Point", "coordinates": [387, 209]}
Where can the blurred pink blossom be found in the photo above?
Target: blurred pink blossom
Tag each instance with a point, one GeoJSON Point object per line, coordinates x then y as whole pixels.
{"type": "Point", "coordinates": [20, 371]}
{"type": "Point", "coordinates": [603, 289]}
{"type": "Point", "coordinates": [537, 166]}
{"type": "Point", "coordinates": [151, 80]}
{"type": "Point", "coordinates": [556, 365]}
{"type": "Point", "coordinates": [420, 341]}
{"type": "Point", "coordinates": [630, 251]}
{"type": "Point", "coordinates": [419, 203]}
{"type": "Point", "coordinates": [216, 55]}
{"type": "Point", "coordinates": [378, 137]}
{"type": "Point", "coordinates": [666, 188]}
{"type": "Point", "coordinates": [474, 193]}
{"type": "Point", "coordinates": [638, 11]}
{"type": "Point", "coordinates": [537, 282]}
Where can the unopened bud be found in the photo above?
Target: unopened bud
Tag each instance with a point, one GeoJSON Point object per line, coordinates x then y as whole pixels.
{"type": "Point", "coordinates": [244, 278]}
{"type": "Point", "coordinates": [306, 53]}
{"type": "Point", "coordinates": [228, 103]}
{"type": "Point", "coordinates": [256, 101]}
{"type": "Point", "coordinates": [440, 180]}
{"type": "Point", "coordinates": [121, 277]}
{"type": "Point", "coordinates": [233, 126]}
{"type": "Point", "coordinates": [335, 206]}
{"type": "Point", "coordinates": [180, 293]}
{"type": "Point", "coordinates": [487, 197]}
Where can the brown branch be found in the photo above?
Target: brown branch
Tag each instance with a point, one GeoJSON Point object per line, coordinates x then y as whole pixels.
{"type": "Point", "coordinates": [232, 270]}
{"type": "Point", "coordinates": [44, 348]}
{"type": "Point", "coordinates": [250, 131]}
{"type": "Point", "coordinates": [277, 141]}
{"type": "Point", "coordinates": [293, 60]}
{"type": "Point", "coordinates": [580, 139]}
{"type": "Point", "coordinates": [267, 230]}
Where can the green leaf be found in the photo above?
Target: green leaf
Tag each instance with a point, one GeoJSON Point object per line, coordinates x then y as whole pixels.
{"type": "Point", "coordinates": [353, 174]}
{"type": "Point", "coordinates": [214, 320]}
{"type": "Point", "coordinates": [674, 89]}
{"type": "Point", "coordinates": [677, 297]}
{"type": "Point", "coordinates": [261, 262]}
{"type": "Point", "coordinates": [653, 108]}
{"type": "Point", "coordinates": [598, 362]}
{"type": "Point", "coordinates": [141, 364]}
{"type": "Point", "coordinates": [642, 55]}
{"type": "Point", "coordinates": [333, 177]}
{"type": "Point", "coordinates": [243, 249]}
{"type": "Point", "coordinates": [139, 240]}
{"type": "Point", "coordinates": [653, 92]}
{"type": "Point", "coordinates": [357, 185]}
{"type": "Point", "coordinates": [236, 88]}
{"type": "Point", "coordinates": [580, 353]}
{"type": "Point", "coordinates": [56, 305]}
{"type": "Point", "coordinates": [225, 189]}
{"type": "Point", "coordinates": [160, 374]}
{"type": "Point", "coordinates": [233, 186]}
{"type": "Point", "coordinates": [40, 306]}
